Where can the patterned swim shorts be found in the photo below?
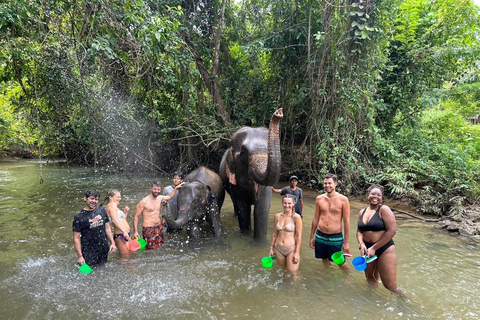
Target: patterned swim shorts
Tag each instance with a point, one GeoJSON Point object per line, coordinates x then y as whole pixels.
{"type": "Point", "coordinates": [153, 236]}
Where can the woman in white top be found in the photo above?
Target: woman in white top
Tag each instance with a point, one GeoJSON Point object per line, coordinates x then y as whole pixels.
{"type": "Point", "coordinates": [121, 228]}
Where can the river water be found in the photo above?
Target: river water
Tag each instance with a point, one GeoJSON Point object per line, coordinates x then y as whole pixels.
{"type": "Point", "coordinates": [206, 279]}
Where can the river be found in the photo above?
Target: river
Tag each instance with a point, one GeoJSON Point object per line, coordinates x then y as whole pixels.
{"type": "Point", "coordinates": [204, 279]}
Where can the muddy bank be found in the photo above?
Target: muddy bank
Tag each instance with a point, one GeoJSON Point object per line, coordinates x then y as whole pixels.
{"type": "Point", "coordinates": [466, 222]}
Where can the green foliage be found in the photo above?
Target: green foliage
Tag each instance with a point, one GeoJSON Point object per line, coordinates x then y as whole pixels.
{"type": "Point", "coordinates": [375, 91]}
{"type": "Point", "coordinates": [433, 42]}
{"type": "Point", "coordinates": [436, 166]}
{"type": "Point", "coordinates": [16, 135]}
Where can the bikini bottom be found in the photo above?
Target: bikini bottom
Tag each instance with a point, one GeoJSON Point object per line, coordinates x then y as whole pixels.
{"type": "Point", "coordinates": [285, 250]}
{"type": "Point", "coordinates": [381, 250]}
{"type": "Point", "coordinates": [115, 236]}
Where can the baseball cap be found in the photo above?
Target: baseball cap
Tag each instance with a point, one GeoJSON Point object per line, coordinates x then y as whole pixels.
{"type": "Point", "coordinates": [293, 177]}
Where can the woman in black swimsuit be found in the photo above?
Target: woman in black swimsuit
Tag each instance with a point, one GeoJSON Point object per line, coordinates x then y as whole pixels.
{"type": "Point", "coordinates": [375, 230]}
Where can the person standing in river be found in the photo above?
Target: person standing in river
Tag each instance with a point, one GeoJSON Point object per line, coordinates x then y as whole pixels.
{"type": "Point", "coordinates": [295, 191]}
{"type": "Point", "coordinates": [376, 227]}
{"type": "Point", "coordinates": [287, 236]}
{"type": "Point", "coordinates": [172, 203]}
{"type": "Point", "coordinates": [91, 232]}
{"type": "Point", "coordinates": [121, 228]}
{"type": "Point", "coordinates": [331, 211]}
{"type": "Point", "coordinates": [149, 209]}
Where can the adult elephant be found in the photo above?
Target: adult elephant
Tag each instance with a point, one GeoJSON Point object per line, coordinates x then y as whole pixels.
{"type": "Point", "coordinates": [248, 170]}
{"type": "Point", "coordinates": [199, 200]}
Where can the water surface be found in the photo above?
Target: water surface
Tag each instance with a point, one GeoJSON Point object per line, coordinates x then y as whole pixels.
{"type": "Point", "coordinates": [204, 278]}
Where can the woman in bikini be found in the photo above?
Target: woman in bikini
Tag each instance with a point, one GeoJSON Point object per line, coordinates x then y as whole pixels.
{"type": "Point", "coordinates": [287, 235]}
{"type": "Point", "coordinates": [121, 228]}
{"type": "Point", "coordinates": [376, 227]}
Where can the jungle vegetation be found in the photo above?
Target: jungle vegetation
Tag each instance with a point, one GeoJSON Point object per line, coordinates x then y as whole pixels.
{"type": "Point", "coordinates": [374, 91]}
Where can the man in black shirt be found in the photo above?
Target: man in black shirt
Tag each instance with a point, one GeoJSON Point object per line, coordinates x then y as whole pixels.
{"type": "Point", "coordinates": [91, 230]}
{"type": "Point", "coordinates": [294, 191]}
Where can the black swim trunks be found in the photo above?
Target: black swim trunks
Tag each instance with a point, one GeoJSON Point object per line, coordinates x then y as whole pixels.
{"type": "Point", "coordinates": [327, 244]}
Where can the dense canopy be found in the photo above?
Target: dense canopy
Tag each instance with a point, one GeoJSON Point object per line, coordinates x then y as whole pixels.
{"type": "Point", "coordinates": [374, 91]}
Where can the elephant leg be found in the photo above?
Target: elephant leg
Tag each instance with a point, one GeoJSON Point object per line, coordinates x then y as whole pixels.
{"type": "Point", "coordinates": [193, 230]}
{"type": "Point", "coordinates": [242, 208]}
{"type": "Point", "coordinates": [215, 220]}
{"type": "Point", "coordinates": [260, 212]}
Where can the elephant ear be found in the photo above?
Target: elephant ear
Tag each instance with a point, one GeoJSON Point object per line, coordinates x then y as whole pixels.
{"type": "Point", "coordinates": [210, 196]}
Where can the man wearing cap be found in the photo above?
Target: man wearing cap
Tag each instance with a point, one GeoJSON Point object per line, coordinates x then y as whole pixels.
{"type": "Point", "coordinates": [294, 191]}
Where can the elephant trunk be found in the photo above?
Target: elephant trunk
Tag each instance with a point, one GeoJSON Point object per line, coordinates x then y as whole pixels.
{"type": "Point", "coordinates": [272, 172]}
{"type": "Point", "coordinates": [177, 221]}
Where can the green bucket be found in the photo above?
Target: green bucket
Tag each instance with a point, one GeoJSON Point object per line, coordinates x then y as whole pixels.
{"type": "Point", "coordinates": [142, 242]}
{"type": "Point", "coordinates": [338, 258]}
{"type": "Point", "coordinates": [84, 268]}
{"type": "Point", "coordinates": [267, 262]}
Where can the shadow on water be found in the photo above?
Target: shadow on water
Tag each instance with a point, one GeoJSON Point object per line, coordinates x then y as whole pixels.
{"type": "Point", "coordinates": [207, 278]}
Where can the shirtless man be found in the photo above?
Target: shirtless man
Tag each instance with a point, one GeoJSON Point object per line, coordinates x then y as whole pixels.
{"type": "Point", "coordinates": [149, 209]}
{"type": "Point", "coordinates": [331, 209]}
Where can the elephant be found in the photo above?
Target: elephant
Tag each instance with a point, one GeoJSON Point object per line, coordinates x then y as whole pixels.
{"type": "Point", "coordinates": [199, 200]}
{"type": "Point", "coordinates": [249, 168]}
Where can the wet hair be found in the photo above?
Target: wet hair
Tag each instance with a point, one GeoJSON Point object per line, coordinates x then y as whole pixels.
{"type": "Point", "coordinates": [94, 193]}
{"type": "Point", "coordinates": [110, 193]}
{"type": "Point", "coordinates": [375, 186]}
{"type": "Point", "coordinates": [156, 184]}
{"type": "Point", "coordinates": [331, 176]}
{"type": "Point", "coordinates": [178, 174]}
{"type": "Point", "coordinates": [289, 196]}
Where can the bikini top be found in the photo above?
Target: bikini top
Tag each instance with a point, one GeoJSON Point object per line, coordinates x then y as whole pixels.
{"type": "Point", "coordinates": [121, 215]}
{"type": "Point", "coordinates": [289, 227]}
{"type": "Point", "coordinates": [375, 224]}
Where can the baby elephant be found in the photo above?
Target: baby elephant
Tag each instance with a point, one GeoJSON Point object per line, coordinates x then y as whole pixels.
{"type": "Point", "coordinates": [199, 200]}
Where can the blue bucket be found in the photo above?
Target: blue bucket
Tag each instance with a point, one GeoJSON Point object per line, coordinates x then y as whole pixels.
{"type": "Point", "coordinates": [360, 263]}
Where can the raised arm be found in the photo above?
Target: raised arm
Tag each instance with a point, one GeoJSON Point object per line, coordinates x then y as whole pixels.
{"type": "Point", "coordinates": [172, 194]}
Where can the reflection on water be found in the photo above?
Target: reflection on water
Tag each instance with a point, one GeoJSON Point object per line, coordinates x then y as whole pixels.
{"type": "Point", "coordinates": [206, 278]}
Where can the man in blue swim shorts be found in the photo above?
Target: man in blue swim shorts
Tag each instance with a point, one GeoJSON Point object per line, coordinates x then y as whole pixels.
{"type": "Point", "coordinates": [331, 211]}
